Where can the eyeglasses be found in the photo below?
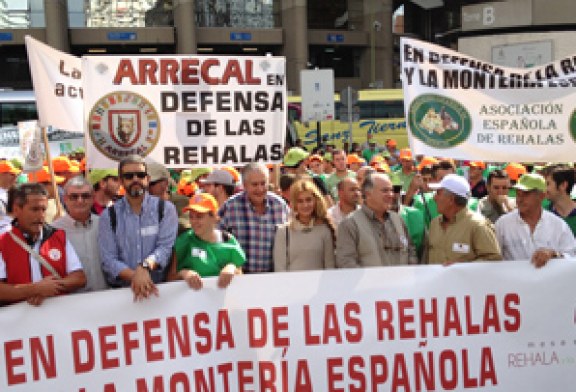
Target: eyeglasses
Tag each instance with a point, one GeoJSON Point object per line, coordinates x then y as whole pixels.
{"type": "Point", "coordinates": [130, 175]}
{"type": "Point", "coordinates": [498, 187]}
{"type": "Point", "coordinates": [76, 196]}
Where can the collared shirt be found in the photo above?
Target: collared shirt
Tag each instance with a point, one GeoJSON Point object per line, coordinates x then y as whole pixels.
{"type": "Point", "coordinates": [518, 243]}
{"type": "Point", "coordinates": [254, 232]}
{"type": "Point", "coordinates": [137, 237]}
{"type": "Point", "coordinates": [388, 241]}
{"type": "Point", "coordinates": [491, 211]}
{"type": "Point", "coordinates": [336, 214]}
{"type": "Point", "coordinates": [84, 239]}
{"type": "Point", "coordinates": [470, 237]}
{"type": "Point", "coordinates": [333, 180]}
{"type": "Point", "coordinates": [72, 261]}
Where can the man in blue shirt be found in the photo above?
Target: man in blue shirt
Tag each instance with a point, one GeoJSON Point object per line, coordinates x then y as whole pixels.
{"type": "Point", "coordinates": [137, 233]}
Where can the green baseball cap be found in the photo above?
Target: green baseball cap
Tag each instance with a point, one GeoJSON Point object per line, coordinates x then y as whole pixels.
{"type": "Point", "coordinates": [294, 156]}
{"type": "Point", "coordinates": [96, 175]}
{"type": "Point", "coordinates": [531, 182]}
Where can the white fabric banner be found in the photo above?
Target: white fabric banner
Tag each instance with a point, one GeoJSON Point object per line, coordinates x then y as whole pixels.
{"type": "Point", "coordinates": [461, 107]}
{"type": "Point", "coordinates": [185, 111]}
{"type": "Point", "coordinates": [31, 145]}
{"type": "Point", "coordinates": [479, 326]}
{"type": "Point", "coordinates": [57, 80]}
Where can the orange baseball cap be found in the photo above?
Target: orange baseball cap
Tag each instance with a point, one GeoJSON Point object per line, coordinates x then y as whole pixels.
{"type": "Point", "coordinates": [515, 170]}
{"type": "Point", "coordinates": [382, 167]}
{"type": "Point", "coordinates": [75, 168]}
{"type": "Point", "coordinates": [43, 175]}
{"type": "Point", "coordinates": [478, 164]}
{"type": "Point", "coordinates": [8, 167]}
{"type": "Point", "coordinates": [62, 164]}
{"type": "Point", "coordinates": [234, 172]}
{"type": "Point", "coordinates": [405, 153]}
{"type": "Point", "coordinates": [203, 202]}
{"type": "Point", "coordinates": [186, 187]}
{"type": "Point", "coordinates": [376, 159]}
{"type": "Point", "coordinates": [427, 161]}
{"type": "Point", "coordinates": [391, 143]}
{"type": "Point", "coordinates": [354, 158]}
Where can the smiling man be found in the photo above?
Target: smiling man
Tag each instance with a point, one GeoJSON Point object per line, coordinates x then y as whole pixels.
{"type": "Point", "coordinates": [252, 216]}
{"type": "Point", "coordinates": [23, 275]}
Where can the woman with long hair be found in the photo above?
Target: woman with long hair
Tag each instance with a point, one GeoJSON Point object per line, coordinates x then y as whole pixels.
{"type": "Point", "coordinates": [306, 241]}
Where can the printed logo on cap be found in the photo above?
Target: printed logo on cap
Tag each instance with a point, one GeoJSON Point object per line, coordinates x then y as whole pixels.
{"type": "Point", "coordinates": [124, 123]}
{"type": "Point", "coordinates": [438, 121]}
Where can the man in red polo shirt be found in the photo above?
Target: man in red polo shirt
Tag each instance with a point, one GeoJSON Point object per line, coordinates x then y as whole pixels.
{"type": "Point", "coordinates": [22, 276]}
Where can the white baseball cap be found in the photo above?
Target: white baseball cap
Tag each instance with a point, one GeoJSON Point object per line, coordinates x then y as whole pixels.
{"type": "Point", "coordinates": [455, 184]}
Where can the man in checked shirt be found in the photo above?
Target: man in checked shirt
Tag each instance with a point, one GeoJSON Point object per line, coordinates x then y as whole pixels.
{"type": "Point", "coordinates": [252, 216]}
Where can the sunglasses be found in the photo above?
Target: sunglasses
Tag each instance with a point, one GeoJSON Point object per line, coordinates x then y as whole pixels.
{"type": "Point", "coordinates": [130, 175]}
{"type": "Point", "coordinates": [77, 196]}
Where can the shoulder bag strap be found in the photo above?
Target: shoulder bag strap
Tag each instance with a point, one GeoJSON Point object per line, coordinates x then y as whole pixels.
{"type": "Point", "coordinates": [36, 255]}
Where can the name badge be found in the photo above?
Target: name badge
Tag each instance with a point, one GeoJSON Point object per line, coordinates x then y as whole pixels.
{"type": "Point", "coordinates": [150, 230]}
{"type": "Point", "coordinates": [200, 253]}
{"type": "Point", "coordinates": [460, 248]}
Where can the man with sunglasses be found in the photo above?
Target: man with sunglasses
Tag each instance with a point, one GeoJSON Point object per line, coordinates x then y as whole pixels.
{"type": "Point", "coordinates": [81, 227]}
{"type": "Point", "coordinates": [137, 233]}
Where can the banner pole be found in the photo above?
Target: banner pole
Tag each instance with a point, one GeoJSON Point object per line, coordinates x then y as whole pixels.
{"type": "Point", "coordinates": [51, 170]}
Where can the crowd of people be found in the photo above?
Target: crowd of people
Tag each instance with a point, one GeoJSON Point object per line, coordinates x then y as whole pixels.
{"type": "Point", "coordinates": [141, 224]}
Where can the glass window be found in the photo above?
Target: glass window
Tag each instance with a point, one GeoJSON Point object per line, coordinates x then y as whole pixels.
{"type": "Point", "coordinates": [328, 15]}
{"type": "Point", "coordinates": [238, 13]}
{"type": "Point", "coordinates": [344, 60]}
{"type": "Point", "coordinates": [120, 13]}
{"type": "Point", "coordinates": [19, 14]}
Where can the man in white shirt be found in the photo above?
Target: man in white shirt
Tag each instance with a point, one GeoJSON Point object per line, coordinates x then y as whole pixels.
{"type": "Point", "coordinates": [530, 232]}
{"type": "Point", "coordinates": [348, 200]}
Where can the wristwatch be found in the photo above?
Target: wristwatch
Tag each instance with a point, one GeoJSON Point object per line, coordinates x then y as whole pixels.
{"type": "Point", "coordinates": [146, 265]}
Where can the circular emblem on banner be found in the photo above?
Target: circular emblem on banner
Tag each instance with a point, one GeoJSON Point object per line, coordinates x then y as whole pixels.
{"type": "Point", "coordinates": [438, 121]}
{"type": "Point", "coordinates": [572, 125]}
{"type": "Point", "coordinates": [124, 123]}
{"type": "Point", "coordinates": [54, 254]}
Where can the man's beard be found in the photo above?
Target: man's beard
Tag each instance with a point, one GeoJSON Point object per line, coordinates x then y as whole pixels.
{"type": "Point", "coordinates": [136, 190]}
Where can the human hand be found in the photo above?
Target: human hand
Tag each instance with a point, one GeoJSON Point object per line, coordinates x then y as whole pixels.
{"type": "Point", "coordinates": [226, 276]}
{"type": "Point", "coordinates": [541, 256]}
{"type": "Point", "coordinates": [142, 285]}
{"type": "Point", "coordinates": [192, 278]}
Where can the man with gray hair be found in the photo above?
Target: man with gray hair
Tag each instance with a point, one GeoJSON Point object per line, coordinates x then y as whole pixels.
{"type": "Point", "coordinates": [374, 235]}
{"type": "Point", "coordinates": [252, 216]}
{"type": "Point", "coordinates": [81, 227]}
{"type": "Point", "coordinates": [458, 234]}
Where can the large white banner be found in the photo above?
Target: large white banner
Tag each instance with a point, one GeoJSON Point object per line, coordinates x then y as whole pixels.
{"type": "Point", "coordinates": [57, 80]}
{"type": "Point", "coordinates": [482, 327]}
{"type": "Point", "coordinates": [185, 111]}
{"type": "Point", "coordinates": [461, 107]}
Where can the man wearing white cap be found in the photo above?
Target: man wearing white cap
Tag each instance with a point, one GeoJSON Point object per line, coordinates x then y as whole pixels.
{"type": "Point", "coordinates": [458, 234]}
{"type": "Point", "coordinates": [219, 184]}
